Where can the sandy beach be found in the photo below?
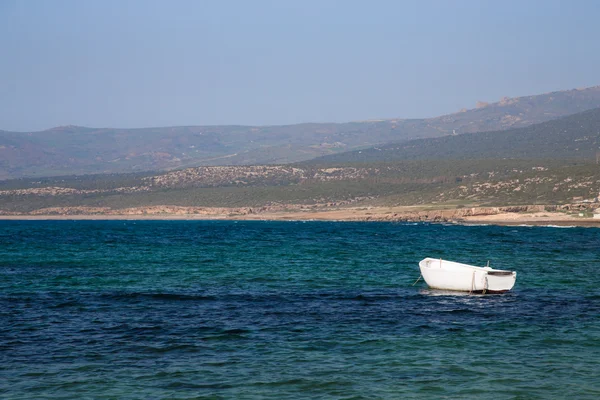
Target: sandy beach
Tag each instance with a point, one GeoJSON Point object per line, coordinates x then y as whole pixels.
{"type": "Point", "coordinates": [483, 215]}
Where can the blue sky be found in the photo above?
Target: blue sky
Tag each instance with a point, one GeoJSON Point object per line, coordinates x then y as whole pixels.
{"type": "Point", "coordinates": [145, 63]}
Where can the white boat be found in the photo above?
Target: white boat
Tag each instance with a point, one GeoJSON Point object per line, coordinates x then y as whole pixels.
{"type": "Point", "coordinates": [449, 275]}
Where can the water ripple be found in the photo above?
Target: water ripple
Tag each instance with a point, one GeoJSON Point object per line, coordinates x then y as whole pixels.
{"type": "Point", "coordinates": [194, 309]}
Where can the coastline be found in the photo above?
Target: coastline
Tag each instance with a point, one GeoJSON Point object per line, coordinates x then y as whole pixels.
{"type": "Point", "coordinates": [531, 215]}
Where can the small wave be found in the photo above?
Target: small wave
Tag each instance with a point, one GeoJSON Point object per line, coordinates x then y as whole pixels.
{"type": "Point", "coordinates": [166, 349]}
{"type": "Point", "coordinates": [546, 226]}
{"type": "Point", "coordinates": [460, 311]}
{"type": "Point", "coordinates": [455, 329]}
{"type": "Point", "coordinates": [285, 382]}
{"type": "Point", "coordinates": [352, 297]}
{"type": "Point", "coordinates": [159, 296]}
{"type": "Point", "coordinates": [227, 334]}
{"type": "Point", "coordinates": [189, 385]}
{"type": "Point", "coordinates": [235, 331]}
{"type": "Point", "coordinates": [438, 292]}
{"type": "Point", "coordinates": [65, 304]}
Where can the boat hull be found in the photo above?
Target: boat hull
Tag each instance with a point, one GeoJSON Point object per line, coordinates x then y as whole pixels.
{"type": "Point", "coordinates": [449, 275]}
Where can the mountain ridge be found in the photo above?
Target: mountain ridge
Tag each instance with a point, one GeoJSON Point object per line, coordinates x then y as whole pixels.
{"type": "Point", "coordinates": [78, 150]}
{"type": "Point", "coordinates": [550, 162]}
{"type": "Point", "coordinates": [574, 136]}
{"type": "Point", "coordinates": [506, 100]}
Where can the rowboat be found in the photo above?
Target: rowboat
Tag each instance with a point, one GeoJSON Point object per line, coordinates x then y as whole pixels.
{"type": "Point", "coordinates": [449, 275]}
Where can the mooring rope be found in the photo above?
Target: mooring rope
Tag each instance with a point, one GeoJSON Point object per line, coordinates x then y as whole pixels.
{"type": "Point", "coordinates": [472, 282]}
{"type": "Point", "coordinates": [418, 279]}
{"type": "Point", "coordinates": [485, 285]}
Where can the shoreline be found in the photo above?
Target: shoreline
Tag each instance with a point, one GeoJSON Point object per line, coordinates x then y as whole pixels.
{"type": "Point", "coordinates": [550, 223]}
{"type": "Point", "coordinates": [471, 216]}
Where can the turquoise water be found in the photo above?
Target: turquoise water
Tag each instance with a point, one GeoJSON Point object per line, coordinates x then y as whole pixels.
{"type": "Point", "coordinates": [285, 310]}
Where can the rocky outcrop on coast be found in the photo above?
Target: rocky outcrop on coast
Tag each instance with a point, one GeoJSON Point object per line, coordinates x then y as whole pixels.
{"type": "Point", "coordinates": [464, 214]}
{"type": "Point", "coordinates": [449, 215]}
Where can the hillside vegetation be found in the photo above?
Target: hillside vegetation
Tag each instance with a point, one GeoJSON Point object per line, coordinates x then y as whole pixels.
{"type": "Point", "coordinates": [575, 137]}
{"type": "Point", "coordinates": [548, 163]}
{"type": "Point", "coordinates": [80, 150]}
{"type": "Point", "coordinates": [450, 182]}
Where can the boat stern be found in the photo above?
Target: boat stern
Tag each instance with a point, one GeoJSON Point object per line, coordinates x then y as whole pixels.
{"type": "Point", "coordinates": [500, 281]}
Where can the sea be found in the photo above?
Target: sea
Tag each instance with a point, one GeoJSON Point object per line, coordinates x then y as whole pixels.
{"type": "Point", "coordinates": [293, 310]}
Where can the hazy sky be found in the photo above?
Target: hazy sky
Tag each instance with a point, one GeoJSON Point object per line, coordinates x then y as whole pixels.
{"type": "Point", "coordinates": [146, 63]}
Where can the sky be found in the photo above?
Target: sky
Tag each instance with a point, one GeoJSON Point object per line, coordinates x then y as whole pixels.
{"type": "Point", "coordinates": [143, 63]}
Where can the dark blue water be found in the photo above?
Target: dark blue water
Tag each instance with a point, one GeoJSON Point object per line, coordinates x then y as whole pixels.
{"type": "Point", "coordinates": [282, 310]}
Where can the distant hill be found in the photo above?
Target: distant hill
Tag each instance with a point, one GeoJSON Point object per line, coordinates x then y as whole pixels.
{"type": "Point", "coordinates": [80, 150]}
{"type": "Point", "coordinates": [576, 136]}
{"type": "Point", "coordinates": [419, 182]}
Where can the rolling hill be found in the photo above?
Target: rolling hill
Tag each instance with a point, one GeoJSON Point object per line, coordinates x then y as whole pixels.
{"type": "Point", "coordinates": [79, 150]}
{"type": "Point", "coordinates": [443, 182]}
{"type": "Point", "coordinates": [573, 137]}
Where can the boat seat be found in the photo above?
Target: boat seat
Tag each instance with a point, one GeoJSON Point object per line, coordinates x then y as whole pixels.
{"type": "Point", "coordinates": [499, 273]}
